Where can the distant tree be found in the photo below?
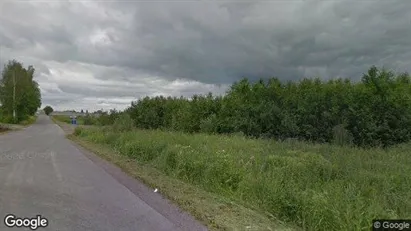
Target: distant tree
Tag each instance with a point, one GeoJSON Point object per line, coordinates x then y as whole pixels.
{"type": "Point", "coordinates": [48, 110]}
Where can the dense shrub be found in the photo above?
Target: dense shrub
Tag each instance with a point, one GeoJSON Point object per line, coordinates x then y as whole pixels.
{"type": "Point", "coordinates": [88, 120]}
{"type": "Point", "coordinates": [123, 123]}
{"type": "Point", "coordinates": [373, 112]}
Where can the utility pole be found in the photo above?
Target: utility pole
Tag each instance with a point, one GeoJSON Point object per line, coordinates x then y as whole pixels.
{"type": "Point", "coordinates": [14, 95]}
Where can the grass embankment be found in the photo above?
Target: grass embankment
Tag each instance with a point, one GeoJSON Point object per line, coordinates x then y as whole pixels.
{"type": "Point", "coordinates": [317, 187]}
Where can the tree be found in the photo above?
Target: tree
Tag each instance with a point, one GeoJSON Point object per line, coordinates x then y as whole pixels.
{"type": "Point", "coordinates": [20, 95]}
{"type": "Point", "coordinates": [48, 110]}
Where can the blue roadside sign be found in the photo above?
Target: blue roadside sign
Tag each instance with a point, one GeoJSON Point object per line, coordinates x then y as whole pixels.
{"type": "Point", "coordinates": [73, 119]}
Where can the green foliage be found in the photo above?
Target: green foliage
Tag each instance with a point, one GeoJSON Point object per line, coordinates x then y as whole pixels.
{"type": "Point", "coordinates": [123, 123]}
{"type": "Point", "coordinates": [341, 136]}
{"type": "Point", "coordinates": [88, 120]}
{"type": "Point", "coordinates": [30, 120]}
{"type": "Point", "coordinates": [318, 187]}
{"type": "Point", "coordinates": [18, 92]}
{"type": "Point", "coordinates": [48, 110]}
{"type": "Point", "coordinates": [78, 131]}
{"type": "Point", "coordinates": [374, 112]}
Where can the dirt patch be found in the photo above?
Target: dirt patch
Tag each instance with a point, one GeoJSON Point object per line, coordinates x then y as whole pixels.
{"type": "Point", "coordinates": [4, 129]}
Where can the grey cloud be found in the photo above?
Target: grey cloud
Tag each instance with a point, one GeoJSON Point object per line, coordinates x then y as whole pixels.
{"type": "Point", "coordinates": [330, 41]}
{"type": "Point", "coordinates": [212, 42]}
{"type": "Point", "coordinates": [87, 91]}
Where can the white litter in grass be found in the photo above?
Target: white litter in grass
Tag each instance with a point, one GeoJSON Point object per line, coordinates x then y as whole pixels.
{"type": "Point", "coordinates": [155, 190]}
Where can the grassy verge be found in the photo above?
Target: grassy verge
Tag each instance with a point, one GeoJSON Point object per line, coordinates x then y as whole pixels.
{"type": "Point", "coordinates": [317, 187]}
{"type": "Point", "coordinates": [29, 121]}
{"type": "Point", "coordinates": [66, 119]}
{"type": "Point", "coordinates": [60, 119]}
{"type": "Point", "coordinates": [4, 128]}
{"type": "Point", "coordinates": [216, 212]}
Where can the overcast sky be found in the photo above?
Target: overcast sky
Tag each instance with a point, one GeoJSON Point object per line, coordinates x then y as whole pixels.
{"type": "Point", "coordinates": [104, 54]}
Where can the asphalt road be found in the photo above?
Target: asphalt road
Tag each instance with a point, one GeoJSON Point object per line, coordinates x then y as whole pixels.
{"type": "Point", "coordinates": [43, 173]}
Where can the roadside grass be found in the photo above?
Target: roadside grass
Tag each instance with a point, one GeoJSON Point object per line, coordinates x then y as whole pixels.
{"type": "Point", "coordinates": [29, 121]}
{"type": "Point", "coordinates": [6, 127]}
{"type": "Point", "coordinates": [312, 186]}
{"type": "Point", "coordinates": [214, 211]}
{"type": "Point", "coordinates": [67, 119]}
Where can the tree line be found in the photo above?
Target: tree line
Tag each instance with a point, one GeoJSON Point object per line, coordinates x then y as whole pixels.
{"type": "Point", "coordinates": [375, 111]}
{"type": "Point", "coordinates": [20, 95]}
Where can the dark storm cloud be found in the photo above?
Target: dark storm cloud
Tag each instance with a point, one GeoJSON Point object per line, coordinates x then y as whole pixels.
{"type": "Point", "coordinates": [212, 42]}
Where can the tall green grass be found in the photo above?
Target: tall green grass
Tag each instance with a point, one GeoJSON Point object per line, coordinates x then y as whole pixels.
{"type": "Point", "coordinates": [318, 187]}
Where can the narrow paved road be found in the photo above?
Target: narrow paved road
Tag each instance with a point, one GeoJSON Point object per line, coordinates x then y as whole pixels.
{"type": "Point", "coordinates": [43, 173]}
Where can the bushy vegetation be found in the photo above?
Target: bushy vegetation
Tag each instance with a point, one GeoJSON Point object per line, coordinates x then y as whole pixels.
{"type": "Point", "coordinates": [373, 112]}
{"type": "Point", "coordinates": [123, 123]}
{"type": "Point", "coordinates": [29, 121]}
{"type": "Point", "coordinates": [316, 186]}
{"type": "Point", "coordinates": [18, 92]}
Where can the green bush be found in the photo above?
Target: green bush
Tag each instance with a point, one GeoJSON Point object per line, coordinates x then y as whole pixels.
{"type": "Point", "coordinates": [89, 120]}
{"type": "Point", "coordinates": [209, 124]}
{"type": "Point", "coordinates": [78, 131]}
{"type": "Point", "coordinates": [8, 120]}
{"type": "Point", "coordinates": [123, 123]}
{"type": "Point", "coordinates": [375, 111]}
{"type": "Point", "coordinates": [341, 136]}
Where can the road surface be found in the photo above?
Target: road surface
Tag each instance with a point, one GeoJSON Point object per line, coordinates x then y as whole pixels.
{"type": "Point", "coordinates": [43, 173]}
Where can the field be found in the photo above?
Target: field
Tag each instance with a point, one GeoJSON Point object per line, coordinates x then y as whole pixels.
{"type": "Point", "coordinates": [312, 186]}
{"type": "Point", "coordinates": [67, 119]}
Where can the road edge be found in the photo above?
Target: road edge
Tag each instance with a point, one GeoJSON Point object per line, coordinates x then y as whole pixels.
{"type": "Point", "coordinates": [210, 210]}
{"type": "Point", "coordinates": [155, 200]}
{"type": "Point", "coordinates": [18, 127]}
